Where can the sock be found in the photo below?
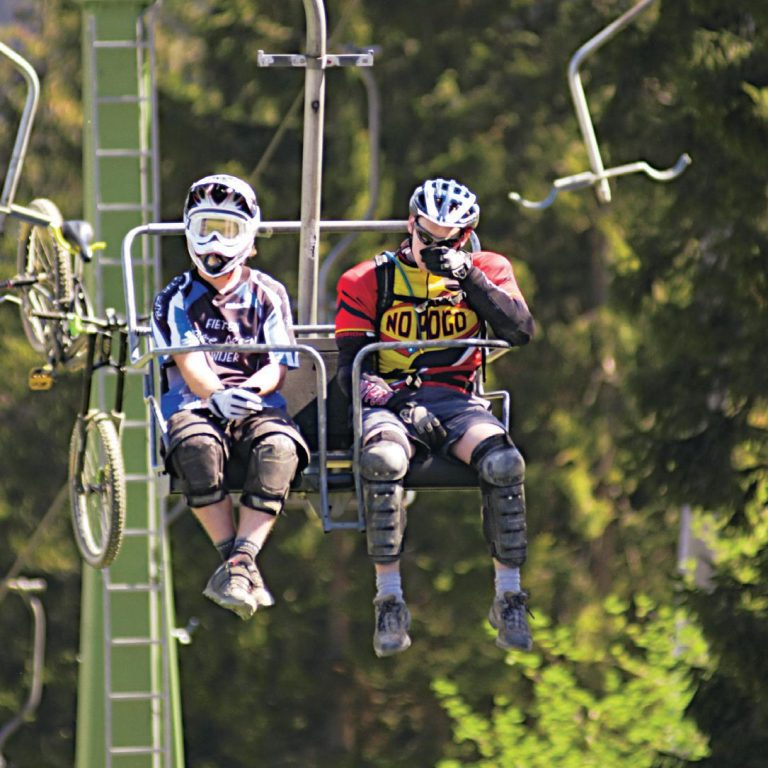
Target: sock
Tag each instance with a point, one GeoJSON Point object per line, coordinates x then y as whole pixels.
{"type": "Point", "coordinates": [225, 547]}
{"type": "Point", "coordinates": [389, 583]}
{"type": "Point", "coordinates": [245, 547]}
{"type": "Point", "coordinates": [507, 580]}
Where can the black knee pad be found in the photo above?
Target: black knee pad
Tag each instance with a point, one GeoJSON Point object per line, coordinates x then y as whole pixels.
{"type": "Point", "coordinates": [198, 461]}
{"type": "Point", "coordinates": [383, 465]}
{"type": "Point", "coordinates": [271, 467]}
{"type": "Point", "coordinates": [501, 470]}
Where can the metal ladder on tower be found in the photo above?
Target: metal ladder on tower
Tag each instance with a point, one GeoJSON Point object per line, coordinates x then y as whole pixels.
{"type": "Point", "coordinates": [137, 706]}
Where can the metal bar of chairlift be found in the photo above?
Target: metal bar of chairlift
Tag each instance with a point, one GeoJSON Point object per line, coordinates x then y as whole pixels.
{"type": "Point", "coordinates": [599, 175]}
{"type": "Point", "coordinates": [312, 161]}
{"type": "Point", "coordinates": [22, 135]}
{"type": "Point", "coordinates": [28, 590]}
{"type": "Point", "coordinates": [374, 119]}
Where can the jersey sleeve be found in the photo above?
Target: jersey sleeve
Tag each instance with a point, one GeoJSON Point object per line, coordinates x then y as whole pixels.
{"type": "Point", "coordinates": [356, 301]}
{"type": "Point", "coordinates": [278, 323]}
{"type": "Point", "coordinates": [499, 271]}
{"type": "Point", "coordinates": [492, 290]}
{"type": "Point", "coordinates": [171, 325]}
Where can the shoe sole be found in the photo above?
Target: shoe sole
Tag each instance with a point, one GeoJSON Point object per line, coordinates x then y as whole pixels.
{"type": "Point", "coordinates": [245, 609]}
{"type": "Point", "coordinates": [508, 646]}
{"type": "Point", "coordinates": [384, 652]}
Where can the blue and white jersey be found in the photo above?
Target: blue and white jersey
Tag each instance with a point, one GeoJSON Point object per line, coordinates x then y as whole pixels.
{"type": "Point", "coordinates": [189, 312]}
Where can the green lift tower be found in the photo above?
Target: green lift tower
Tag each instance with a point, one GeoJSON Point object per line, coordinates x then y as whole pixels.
{"type": "Point", "coordinates": [129, 705]}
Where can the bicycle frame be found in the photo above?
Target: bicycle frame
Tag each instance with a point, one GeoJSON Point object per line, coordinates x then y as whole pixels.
{"type": "Point", "coordinates": [99, 355]}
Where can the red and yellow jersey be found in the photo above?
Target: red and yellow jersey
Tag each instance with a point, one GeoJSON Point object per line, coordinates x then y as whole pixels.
{"type": "Point", "coordinates": [422, 307]}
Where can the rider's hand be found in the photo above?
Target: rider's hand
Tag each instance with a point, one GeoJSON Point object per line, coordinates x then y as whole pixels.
{"type": "Point", "coordinates": [234, 403]}
{"type": "Point", "coordinates": [427, 426]}
{"type": "Point", "coordinates": [446, 262]}
{"type": "Point", "coordinates": [374, 391]}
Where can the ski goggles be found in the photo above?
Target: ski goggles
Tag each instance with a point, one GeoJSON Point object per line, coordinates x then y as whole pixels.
{"type": "Point", "coordinates": [428, 239]}
{"type": "Point", "coordinates": [205, 226]}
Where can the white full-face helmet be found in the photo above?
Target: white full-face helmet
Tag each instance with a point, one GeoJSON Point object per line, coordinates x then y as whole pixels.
{"type": "Point", "coordinates": [221, 216]}
{"type": "Point", "coordinates": [445, 202]}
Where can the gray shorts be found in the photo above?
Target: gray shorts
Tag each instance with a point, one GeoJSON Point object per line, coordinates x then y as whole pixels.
{"type": "Point", "coordinates": [457, 411]}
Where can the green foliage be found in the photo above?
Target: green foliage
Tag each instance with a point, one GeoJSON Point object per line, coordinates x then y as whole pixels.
{"type": "Point", "coordinates": [614, 696]}
{"type": "Point", "coordinates": [643, 390]}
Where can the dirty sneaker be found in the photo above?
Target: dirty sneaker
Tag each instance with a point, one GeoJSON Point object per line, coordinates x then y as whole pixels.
{"type": "Point", "coordinates": [509, 614]}
{"type": "Point", "coordinates": [392, 622]}
{"type": "Point", "coordinates": [237, 585]}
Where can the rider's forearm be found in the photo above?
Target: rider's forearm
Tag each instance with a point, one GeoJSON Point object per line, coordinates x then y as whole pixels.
{"type": "Point", "coordinates": [267, 379]}
{"type": "Point", "coordinates": [349, 346]}
{"type": "Point", "coordinates": [507, 315]}
{"type": "Point", "coordinates": [197, 374]}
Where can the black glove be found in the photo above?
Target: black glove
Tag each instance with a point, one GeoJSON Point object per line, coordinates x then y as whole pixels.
{"type": "Point", "coordinates": [427, 426]}
{"type": "Point", "coordinates": [446, 262]}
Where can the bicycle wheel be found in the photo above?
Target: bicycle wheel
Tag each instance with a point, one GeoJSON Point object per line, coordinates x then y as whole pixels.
{"type": "Point", "coordinates": [97, 493]}
{"type": "Point", "coordinates": [41, 256]}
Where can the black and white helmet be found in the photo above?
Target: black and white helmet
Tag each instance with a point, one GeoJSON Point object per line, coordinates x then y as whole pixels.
{"type": "Point", "coordinates": [221, 216]}
{"type": "Point", "coordinates": [445, 202]}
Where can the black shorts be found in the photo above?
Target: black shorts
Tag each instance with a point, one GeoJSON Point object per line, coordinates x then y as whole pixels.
{"type": "Point", "coordinates": [236, 436]}
{"type": "Point", "coordinates": [457, 411]}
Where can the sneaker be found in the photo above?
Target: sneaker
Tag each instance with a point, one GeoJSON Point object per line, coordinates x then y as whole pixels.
{"type": "Point", "coordinates": [508, 614]}
{"type": "Point", "coordinates": [237, 585]}
{"type": "Point", "coordinates": [392, 622]}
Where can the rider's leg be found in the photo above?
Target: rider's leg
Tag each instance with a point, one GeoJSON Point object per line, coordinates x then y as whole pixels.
{"type": "Point", "coordinates": [272, 463]}
{"type": "Point", "coordinates": [383, 465]}
{"type": "Point", "coordinates": [501, 472]}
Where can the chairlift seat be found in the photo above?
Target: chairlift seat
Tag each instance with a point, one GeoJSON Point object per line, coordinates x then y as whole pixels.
{"type": "Point", "coordinates": [300, 392]}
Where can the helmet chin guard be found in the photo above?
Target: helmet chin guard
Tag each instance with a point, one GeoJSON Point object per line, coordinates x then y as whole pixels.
{"type": "Point", "coordinates": [221, 217]}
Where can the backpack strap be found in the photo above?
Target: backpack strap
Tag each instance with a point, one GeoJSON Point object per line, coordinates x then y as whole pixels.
{"type": "Point", "coordinates": [385, 284]}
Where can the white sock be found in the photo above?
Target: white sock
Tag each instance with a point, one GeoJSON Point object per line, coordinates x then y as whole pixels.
{"type": "Point", "coordinates": [507, 580]}
{"type": "Point", "coordinates": [388, 583]}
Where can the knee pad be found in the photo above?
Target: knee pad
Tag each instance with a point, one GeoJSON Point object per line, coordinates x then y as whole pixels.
{"type": "Point", "coordinates": [198, 462]}
{"type": "Point", "coordinates": [383, 465]}
{"type": "Point", "coordinates": [271, 467]}
{"type": "Point", "coordinates": [501, 470]}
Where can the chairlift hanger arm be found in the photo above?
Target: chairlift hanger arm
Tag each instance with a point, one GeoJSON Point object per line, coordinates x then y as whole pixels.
{"type": "Point", "coordinates": [589, 179]}
{"type": "Point", "coordinates": [22, 135]}
{"type": "Point", "coordinates": [28, 590]}
{"type": "Point", "coordinates": [599, 175]}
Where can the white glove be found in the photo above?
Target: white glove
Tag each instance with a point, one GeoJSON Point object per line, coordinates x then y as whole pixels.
{"type": "Point", "coordinates": [234, 403]}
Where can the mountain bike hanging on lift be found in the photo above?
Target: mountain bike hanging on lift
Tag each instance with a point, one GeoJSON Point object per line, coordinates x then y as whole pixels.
{"type": "Point", "coordinates": [59, 323]}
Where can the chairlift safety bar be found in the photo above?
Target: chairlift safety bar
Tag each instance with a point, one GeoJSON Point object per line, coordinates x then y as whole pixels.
{"type": "Point", "coordinates": [357, 403]}
{"type": "Point", "coordinates": [264, 229]}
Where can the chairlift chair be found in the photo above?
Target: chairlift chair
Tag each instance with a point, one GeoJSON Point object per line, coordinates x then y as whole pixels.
{"type": "Point", "coordinates": [315, 400]}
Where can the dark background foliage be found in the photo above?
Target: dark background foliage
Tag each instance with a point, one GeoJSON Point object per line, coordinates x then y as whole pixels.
{"type": "Point", "coordinates": [643, 392]}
